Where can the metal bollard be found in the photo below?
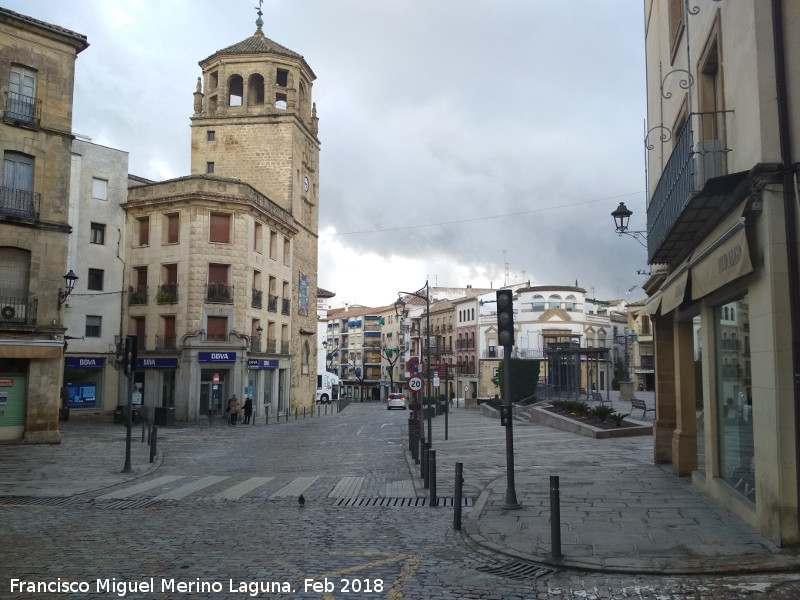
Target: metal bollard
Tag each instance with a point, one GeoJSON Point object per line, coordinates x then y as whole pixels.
{"type": "Point", "coordinates": [266, 416]}
{"type": "Point", "coordinates": [143, 424]}
{"type": "Point", "coordinates": [457, 496]}
{"type": "Point", "coordinates": [432, 477]}
{"type": "Point", "coordinates": [149, 433]}
{"type": "Point", "coordinates": [414, 445]}
{"type": "Point", "coordinates": [295, 413]}
{"type": "Point", "coordinates": [153, 444]}
{"type": "Point", "coordinates": [304, 412]}
{"type": "Point", "coordinates": [555, 518]}
{"type": "Point", "coordinates": [423, 451]}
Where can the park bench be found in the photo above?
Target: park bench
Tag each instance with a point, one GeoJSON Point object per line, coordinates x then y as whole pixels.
{"type": "Point", "coordinates": [598, 397]}
{"type": "Point", "coordinates": [636, 403]}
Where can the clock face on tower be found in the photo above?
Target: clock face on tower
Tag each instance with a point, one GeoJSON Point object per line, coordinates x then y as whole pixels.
{"type": "Point", "coordinates": [305, 183]}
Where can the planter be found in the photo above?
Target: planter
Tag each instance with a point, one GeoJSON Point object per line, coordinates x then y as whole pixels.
{"type": "Point", "coordinates": [545, 417]}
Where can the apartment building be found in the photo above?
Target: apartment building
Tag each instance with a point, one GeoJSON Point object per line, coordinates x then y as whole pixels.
{"type": "Point", "coordinates": [723, 84]}
{"type": "Point", "coordinates": [37, 71]}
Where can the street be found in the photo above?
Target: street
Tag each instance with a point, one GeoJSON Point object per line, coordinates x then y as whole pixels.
{"type": "Point", "coordinates": [221, 519]}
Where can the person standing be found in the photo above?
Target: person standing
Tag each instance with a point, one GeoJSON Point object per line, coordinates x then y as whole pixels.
{"type": "Point", "coordinates": [248, 410]}
{"type": "Point", "coordinates": [234, 407]}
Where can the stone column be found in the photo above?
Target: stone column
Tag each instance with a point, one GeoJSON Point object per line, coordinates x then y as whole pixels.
{"type": "Point", "coordinates": [684, 437]}
{"type": "Point", "coordinates": [664, 423]}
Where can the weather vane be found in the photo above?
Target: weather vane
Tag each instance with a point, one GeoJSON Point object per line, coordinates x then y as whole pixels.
{"type": "Point", "coordinates": [259, 21]}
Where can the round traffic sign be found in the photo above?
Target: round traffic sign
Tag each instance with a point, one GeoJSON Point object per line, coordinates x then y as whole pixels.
{"type": "Point", "coordinates": [412, 365]}
{"type": "Point", "coordinates": [216, 378]}
{"type": "Point", "coordinates": [415, 384]}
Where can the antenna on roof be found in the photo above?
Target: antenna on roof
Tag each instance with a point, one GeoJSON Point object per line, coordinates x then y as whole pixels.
{"type": "Point", "coordinates": [259, 20]}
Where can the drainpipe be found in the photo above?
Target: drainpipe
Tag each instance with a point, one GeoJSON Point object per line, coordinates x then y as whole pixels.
{"type": "Point", "coordinates": [789, 200]}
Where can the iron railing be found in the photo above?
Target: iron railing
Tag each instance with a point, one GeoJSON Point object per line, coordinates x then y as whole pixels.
{"type": "Point", "coordinates": [699, 154]}
{"type": "Point", "coordinates": [22, 110]}
{"type": "Point", "coordinates": [285, 306]}
{"type": "Point", "coordinates": [18, 309]}
{"type": "Point", "coordinates": [137, 294]}
{"type": "Point", "coordinates": [166, 342]}
{"type": "Point", "coordinates": [272, 303]}
{"type": "Point", "coordinates": [167, 293]}
{"type": "Point", "coordinates": [258, 295]}
{"type": "Point", "coordinates": [20, 203]}
{"type": "Point", "coordinates": [221, 293]}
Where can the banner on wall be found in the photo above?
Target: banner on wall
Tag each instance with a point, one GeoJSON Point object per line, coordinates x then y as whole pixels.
{"type": "Point", "coordinates": [303, 288]}
{"type": "Point", "coordinates": [81, 395]}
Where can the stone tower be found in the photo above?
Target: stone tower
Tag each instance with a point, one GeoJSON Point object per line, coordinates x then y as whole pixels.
{"type": "Point", "coordinates": [254, 120]}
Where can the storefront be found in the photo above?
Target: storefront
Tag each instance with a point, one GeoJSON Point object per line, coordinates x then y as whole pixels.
{"type": "Point", "coordinates": [83, 380]}
{"type": "Point", "coordinates": [262, 382]}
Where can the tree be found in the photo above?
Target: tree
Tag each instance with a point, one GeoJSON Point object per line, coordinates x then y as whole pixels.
{"type": "Point", "coordinates": [388, 353]}
{"type": "Point", "coordinates": [356, 371]}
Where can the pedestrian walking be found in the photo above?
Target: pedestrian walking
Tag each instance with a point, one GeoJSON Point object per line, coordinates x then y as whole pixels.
{"type": "Point", "coordinates": [234, 408]}
{"type": "Point", "coordinates": [248, 410]}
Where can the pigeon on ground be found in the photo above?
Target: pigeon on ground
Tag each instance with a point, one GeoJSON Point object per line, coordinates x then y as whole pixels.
{"type": "Point", "coordinates": [301, 500]}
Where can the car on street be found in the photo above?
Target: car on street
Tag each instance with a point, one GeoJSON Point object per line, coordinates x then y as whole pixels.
{"type": "Point", "coordinates": [396, 401]}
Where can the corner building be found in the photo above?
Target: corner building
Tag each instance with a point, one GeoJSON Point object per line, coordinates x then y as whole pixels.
{"type": "Point", "coordinates": [222, 275]}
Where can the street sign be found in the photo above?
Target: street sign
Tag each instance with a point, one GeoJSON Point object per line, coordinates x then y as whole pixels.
{"type": "Point", "coordinates": [412, 366]}
{"type": "Point", "coordinates": [436, 381]}
{"type": "Point", "coordinates": [216, 378]}
{"type": "Point", "coordinates": [414, 384]}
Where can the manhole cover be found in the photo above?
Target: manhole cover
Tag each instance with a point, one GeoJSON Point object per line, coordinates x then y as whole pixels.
{"type": "Point", "coordinates": [517, 570]}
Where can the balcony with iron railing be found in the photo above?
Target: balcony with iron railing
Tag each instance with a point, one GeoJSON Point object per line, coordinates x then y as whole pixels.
{"type": "Point", "coordinates": [18, 310]}
{"type": "Point", "coordinates": [272, 303]}
{"type": "Point", "coordinates": [22, 110]}
{"type": "Point", "coordinates": [699, 155]}
{"type": "Point", "coordinates": [137, 294]}
{"type": "Point", "coordinates": [219, 293]}
{"type": "Point", "coordinates": [465, 344]}
{"type": "Point", "coordinates": [285, 347]}
{"type": "Point", "coordinates": [285, 306]}
{"type": "Point", "coordinates": [166, 343]}
{"type": "Point", "coordinates": [20, 204]}
{"type": "Point", "coordinates": [167, 293]}
{"type": "Point", "coordinates": [256, 298]}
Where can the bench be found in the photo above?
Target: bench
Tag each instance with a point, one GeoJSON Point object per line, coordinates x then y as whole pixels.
{"type": "Point", "coordinates": [636, 404]}
{"type": "Point", "coordinates": [598, 397]}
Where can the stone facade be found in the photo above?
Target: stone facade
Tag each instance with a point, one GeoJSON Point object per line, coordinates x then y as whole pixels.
{"type": "Point", "coordinates": [37, 67]}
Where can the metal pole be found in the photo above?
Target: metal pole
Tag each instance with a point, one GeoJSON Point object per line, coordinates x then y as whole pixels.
{"type": "Point", "coordinates": [457, 496]}
{"type": "Point", "coordinates": [128, 424]}
{"type": "Point", "coordinates": [154, 444]}
{"type": "Point", "coordinates": [555, 518]}
{"type": "Point", "coordinates": [511, 493]}
{"type": "Point", "coordinates": [424, 447]}
{"type": "Point", "coordinates": [432, 476]}
{"type": "Point", "coordinates": [428, 350]}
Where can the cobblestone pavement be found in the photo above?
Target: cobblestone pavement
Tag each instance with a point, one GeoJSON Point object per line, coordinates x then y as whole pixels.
{"type": "Point", "coordinates": [220, 517]}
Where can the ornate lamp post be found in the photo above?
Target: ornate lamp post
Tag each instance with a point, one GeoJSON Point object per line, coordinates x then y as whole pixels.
{"type": "Point", "coordinates": [622, 217]}
{"type": "Point", "coordinates": [69, 281]}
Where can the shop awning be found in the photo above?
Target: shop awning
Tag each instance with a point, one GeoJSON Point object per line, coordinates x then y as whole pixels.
{"type": "Point", "coordinates": [651, 306]}
{"type": "Point", "coordinates": [673, 293]}
{"type": "Point", "coordinates": [727, 258]}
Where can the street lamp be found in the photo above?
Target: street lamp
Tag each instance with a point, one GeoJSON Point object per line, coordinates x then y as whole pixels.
{"type": "Point", "coordinates": [69, 281]}
{"type": "Point", "coordinates": [622, 217]}
{"type": "Point", "coordinates": [427, 299]}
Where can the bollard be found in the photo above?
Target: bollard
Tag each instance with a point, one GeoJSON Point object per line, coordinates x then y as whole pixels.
{"type": "Point", "coordinates": [143, 424]}
{"type": "Point", "coordinates": [432, 476]}
{"type": "Point", "coordinates": [415, 445]}
{"type": "Point", "coordinates": [304, 412]}
{"type": "Point", "coordinates": [295, 413]}
{"type": "Point", "coordinates": [457, 496]}
{"type": "Point", "coordinates": [319, 408]}
{"type": "Point", "coordinates": [153, 444]}
{"type": "Point", "coordinates": [423, 456]}
{"type": "Point", "coordinates": [149, 433]}
{"type": "Point", "coordinates": [555, 518]}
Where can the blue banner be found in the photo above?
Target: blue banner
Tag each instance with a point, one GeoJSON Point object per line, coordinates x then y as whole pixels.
{"type": "Point", "coordinates": [85, 362]}
{"type": "Point", "coordinates": [157, 363]}
{"type": "Point", "coordinates": [262, 363]}
{"type": "Point", "coordinates": [215, 357]}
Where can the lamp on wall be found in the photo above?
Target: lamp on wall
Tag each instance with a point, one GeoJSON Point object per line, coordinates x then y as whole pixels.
{"type": "Point", "coordinates": [622, 217]}
{"type": "Point", "coordinates": [69, 281]}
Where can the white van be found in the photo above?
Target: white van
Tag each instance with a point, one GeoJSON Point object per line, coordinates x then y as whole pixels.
{"type": "Point", "coordinates": [327, 387]}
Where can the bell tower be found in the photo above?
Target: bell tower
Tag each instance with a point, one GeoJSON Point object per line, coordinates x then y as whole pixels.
{"type": "Point", "coordinates": [254, 121]}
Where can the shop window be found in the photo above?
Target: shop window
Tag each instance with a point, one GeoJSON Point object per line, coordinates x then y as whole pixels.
{"type": "Point", "coordinates": [734, 400]}
{"type": "Point", "coordinates": [698, 394]}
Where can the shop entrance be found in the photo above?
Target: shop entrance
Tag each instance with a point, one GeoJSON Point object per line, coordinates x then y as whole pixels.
{"type": "Point", "coordinates": [211, 398]}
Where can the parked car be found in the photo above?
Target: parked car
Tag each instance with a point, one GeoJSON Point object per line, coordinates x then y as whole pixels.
{"type": "Point", "coordinates": [396, 401]}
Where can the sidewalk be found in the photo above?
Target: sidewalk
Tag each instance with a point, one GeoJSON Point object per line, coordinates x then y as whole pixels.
{"type": "Point", "coordinates": [619, 511]}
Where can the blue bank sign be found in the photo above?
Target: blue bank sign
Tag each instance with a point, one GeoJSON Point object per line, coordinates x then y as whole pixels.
{"type": "Point", "coordinates": [85, 362]}
{"type": "Point", "coordinates": [262, 363]}
{"type": "Point", "coordinates": [157, 363]}
{"type": "Point", "coordinates": [215, 357]}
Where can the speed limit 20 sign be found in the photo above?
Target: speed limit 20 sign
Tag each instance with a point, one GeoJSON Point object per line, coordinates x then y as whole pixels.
{"type": "Point", "coordinates": [415, 384]}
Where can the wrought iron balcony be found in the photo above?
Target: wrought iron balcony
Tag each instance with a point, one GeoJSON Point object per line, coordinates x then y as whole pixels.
{"type": "Point", "coordinates": [699, 156]}
{"type": "Point", "coordinates": [272, 303]}
{"type": "Point", "coordinates": [22, 110]}
{"type": "Point", "coordinates": [257, 296]}
{"type": "Point", "coordinates": [221, 293]}
{"type": "Point", "coordinates": [166, 343]}
{"type": "Point", "coordinates": [271, 346]}
{"type": "Point", "coordinates": [167, 293]}
{"type": "Point", "coordinates": [18, 310]}
{"type": "Point", "coordinates": [285, 347]}
{"type": "Point", "coordinates": [285, 306]}
{"type": "Point", "coordinates": [137, 294]}
{"type": "Point", "coordinates": [21, 204]}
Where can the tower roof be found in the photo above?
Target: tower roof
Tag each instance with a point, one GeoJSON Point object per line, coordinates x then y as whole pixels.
{"type": "Point", "coordinates": [258, 43]}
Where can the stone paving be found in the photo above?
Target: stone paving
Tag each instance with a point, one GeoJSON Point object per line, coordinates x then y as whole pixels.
{"type": "Point", "coordinates": [216, 535]}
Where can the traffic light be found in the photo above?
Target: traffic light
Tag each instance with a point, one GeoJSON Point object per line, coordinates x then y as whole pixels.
{"type": "Point", "coordinates": [505, 317]}
{"type": "Point", "coordinates": [505, 415]}
{"type": "Point", "coordinates": [129, 359]}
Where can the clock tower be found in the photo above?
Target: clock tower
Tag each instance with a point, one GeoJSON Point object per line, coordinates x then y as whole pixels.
{"type": "Point", "coordinates": [254, 121]}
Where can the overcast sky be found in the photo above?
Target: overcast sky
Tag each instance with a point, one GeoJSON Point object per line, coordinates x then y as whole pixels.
{"type": "Point", "coordinates": [464, 142]}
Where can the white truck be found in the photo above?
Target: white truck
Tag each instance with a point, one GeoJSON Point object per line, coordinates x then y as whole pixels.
{"type": "Point", "coordinates": [327, 387]}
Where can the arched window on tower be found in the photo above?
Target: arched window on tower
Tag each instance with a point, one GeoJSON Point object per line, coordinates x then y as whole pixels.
{"type": "Point", "coordinates": [255, 90]}
{"type": "Point", "coordinates": [235, 90]}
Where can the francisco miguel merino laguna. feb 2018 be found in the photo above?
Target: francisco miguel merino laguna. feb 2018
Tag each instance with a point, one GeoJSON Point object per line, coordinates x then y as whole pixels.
{"type": "Point", "coordinates": [123, 587]}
